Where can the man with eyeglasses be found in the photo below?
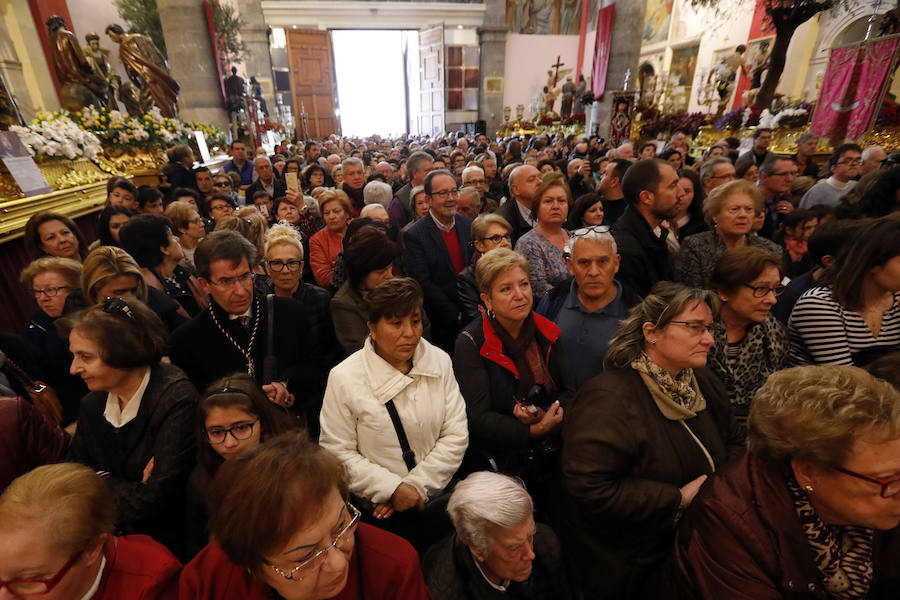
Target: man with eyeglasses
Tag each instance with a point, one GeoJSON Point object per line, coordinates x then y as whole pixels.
{"type": "Point", "coordinates": [437, 248]}
{"type": "Point", "coordinates": [266, 180]}
{"type": "Point", "coordinates": [716, 172]}
{"type": "Point", "coordinates": [232, 335]}
{"type": "Point", "coordinates": [844, 164]}
{"type": "Point", "coordinates": [775, 177]}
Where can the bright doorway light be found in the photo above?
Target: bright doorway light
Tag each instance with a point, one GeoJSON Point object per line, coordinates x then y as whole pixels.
{"type": "Point", "coordinates": [371, 90]}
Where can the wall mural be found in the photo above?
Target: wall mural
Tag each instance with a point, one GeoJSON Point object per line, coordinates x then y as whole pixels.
{"type": "Point", "coordinates": [548, 17]}
{"type": "Point", "coordinates": [658, 21]}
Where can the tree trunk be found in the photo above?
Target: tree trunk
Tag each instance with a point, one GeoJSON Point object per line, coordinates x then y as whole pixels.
{"type": "Point", "coordinates": [777, 58]}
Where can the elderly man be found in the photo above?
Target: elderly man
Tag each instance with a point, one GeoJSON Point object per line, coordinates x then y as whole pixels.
{"type": "Point", "coordinates": [265, 180]}
{"type": "Point", "coordinates": [475, 177]}
{"type": "Point", "coordinates": [716, 172]}
{"type": "Point", "coordinates": [844, 164]}
{"type": "Point", "coordinates": [331, 162]}
{"type": "Point", "coordinates": [589, 306]}
{"type": "Point", "coordinates": [354, 183]}
{"type": "Point", "coordinates": [775, 177]}
{"type": "Point", "coordinates": [377, 192]}
{"type": "Point", "coordinates": [871, 159]}
{"type": "Point", "coordinates": [469, 203]}
{"type": "Point", "coordinates": [377, 212]}
{"type": "Point", "coordinates": [626, 151]}
{"type": "Point", "coordinates": [418, 166]}
{"type": "Point", "coordinates": [497, 550]}
{"type": "Point", "coordinates": [760, 150]}
{"type": "Point", "coordinates": [387, 171]}
{"type": "Point", "coordinates": [523, 183]}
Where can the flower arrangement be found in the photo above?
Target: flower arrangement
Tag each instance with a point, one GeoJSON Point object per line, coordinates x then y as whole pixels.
{"type": "Point", "coordinates": [58, 135]}
{"type": "Point", "coordinates": [123, 132]}
{"type": "Point", "coordinates": [788, 117]}
{"type": "Point", "coordinates": [731, 120]}
{"type": "Point", "coordinates": [270, 125]}
{"type": "Point", "coordinates": [214, 136]}
{"type": "Point", "coordinates": [664, 124]}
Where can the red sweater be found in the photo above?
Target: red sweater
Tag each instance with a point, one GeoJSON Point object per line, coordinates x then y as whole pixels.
{"type": "Point", "coordinates": [383, 567]}
{"type": "Point", "coordinates": [455, 250]}
{"type": "Point", "coordinates": [138, 568]}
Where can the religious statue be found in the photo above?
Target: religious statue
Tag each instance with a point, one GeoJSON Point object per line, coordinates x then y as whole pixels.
{"type": "Point", "coordinates": [147, 68]}
{"type": "Point", "coordinates": [98, 58]}
{"type": "Point", "coordinates": [257, 91]}
{"type": "Point", "coordinates": [580, 91]}
{"type": "Point", "coordinates": [759, 64]}
{"type": "Point", "coordinates": [548, 99]}
{"type": "Point", "coordinates": [568, 95]}
{"type": "Point", "coordinates": [724, 73]}
{"type": "Point", "coordinates": [235, 90]}
{"type": "Point", "coordinates": [81, 86]}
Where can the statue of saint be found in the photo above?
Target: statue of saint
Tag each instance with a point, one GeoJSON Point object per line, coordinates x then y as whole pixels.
{"type": "Point", "coordinates": [98, 58]}
{"type": "Point", "coordinates": [81, 86]}
{"type": "Point", "coordinates": [147, 68]}
{"type": "Point", "coordinates": [548, 97]}
{"type": "Point", "coordinates": [580, 91]}
{"type": "Point", "coordinates": [568, 95]}
{"type": "Point", "coordinates": [725, 74]}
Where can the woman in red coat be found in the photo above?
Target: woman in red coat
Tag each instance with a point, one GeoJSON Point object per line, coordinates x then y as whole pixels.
{"type": "Point", "coordinates": [284, 528]}
{"type": "Point", "coordinates": [57, 543]}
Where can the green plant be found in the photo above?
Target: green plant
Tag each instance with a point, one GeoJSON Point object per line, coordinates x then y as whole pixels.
{"type": "Point", "coordinates": [142, 16]}
{"type": "Point", "coordinates": [228, 27]}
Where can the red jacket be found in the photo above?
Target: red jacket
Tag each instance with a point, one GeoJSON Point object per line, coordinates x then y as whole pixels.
{"type": "Point", "coordinates": [383, 567]}
{"type": "Point", "coordinates": [138, 568]}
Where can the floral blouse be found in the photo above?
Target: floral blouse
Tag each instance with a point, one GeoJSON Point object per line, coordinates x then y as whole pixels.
{"type": "Point", "coordinates": [547, 263]}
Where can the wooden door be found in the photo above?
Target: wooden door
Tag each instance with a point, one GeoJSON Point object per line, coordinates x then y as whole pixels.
{"type": "Point", "coordinates": [431, 80]}
{"type": "Point", "coordinates": [312, 81]}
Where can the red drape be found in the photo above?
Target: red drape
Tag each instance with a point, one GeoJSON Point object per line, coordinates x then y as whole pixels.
{"type": "Point", "coordinates": [602, 44]}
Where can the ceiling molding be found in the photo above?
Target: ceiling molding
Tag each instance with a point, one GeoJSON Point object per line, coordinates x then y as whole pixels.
{"type": "Point", "coordinates": [348, 14]}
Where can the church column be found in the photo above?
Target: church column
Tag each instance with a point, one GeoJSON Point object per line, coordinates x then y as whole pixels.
{"type": "Point", "coordinates": [191, 61]}
{"type": "Point", "coordinates": [257, 61]}
{"type": "Point", "coordinates": [492, 36]}
{"type": "Point", "coordinates": [625, 53]}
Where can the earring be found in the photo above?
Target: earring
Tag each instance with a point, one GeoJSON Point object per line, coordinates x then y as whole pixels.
{"type": "Point", "coordinates": [808, 489]}
{"type": "Point", "coordinates": [490, 314]}
{"type": "Point", "coordinates": [652, 341]}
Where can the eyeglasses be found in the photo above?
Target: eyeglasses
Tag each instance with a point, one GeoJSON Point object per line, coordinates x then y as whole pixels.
{"type": "Point", "coordinates": [50, 292]}
{"type": "Point", "coordinates": [725, 176]}
{"type": "Point", "coordinates": [220, 207]}
{"type": "Point", "coordinates": [315, 562]}
{"type": "Point", "coordinates": [496, 239]}
{"type": "Point", "coordinates": [196, 221]}
{"type": "Point", "coordinates": [889, 487]}
{"type": "Point", "coordinates": [281, 265]}
{"type": "Point", "coordinates": [786, 174]}
{"type": "Point", "coordinates": [38, 587]}
{"type": "Point", "coordinates": [239, 431]}
{"type": "Point", "coordinates": [697, 328]}
{"type": "Point", "coordinates": [761, 291]}
{"type": "Point", "coordinates": [222, 184]}
{"type": "Point", "coordinates": [118, 306]}
{"type": "Point", "coordinates": [474, 182]}
{"type": "Point", "coordinates": [454, 193]}
{"type": "Point", "coordinates": [227, 282]}
{"type": "Point", "coordinates": [850, 161]}
{"type": "Point", "coordinates": [592, 229]}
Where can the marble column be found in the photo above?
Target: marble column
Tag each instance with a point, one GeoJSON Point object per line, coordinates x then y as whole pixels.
{"type": "Point", "coordinates": [191, 62]}
{"type": "Point", "coordinates": [257, 61]}
{"type": "Point", "coordinates": [492, 38]}
{"type": "Point", "coordinates": [625, 53]}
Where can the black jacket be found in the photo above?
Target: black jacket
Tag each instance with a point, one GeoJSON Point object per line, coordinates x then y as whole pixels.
{"type": "Point", "coordinates": [509, 210]}
{"type": "Point", "coordinates": [277, 186]}
{"type": "Point", "coordinates": [645, 257]}
{"type": "Point", "coordinates": [469, 294]}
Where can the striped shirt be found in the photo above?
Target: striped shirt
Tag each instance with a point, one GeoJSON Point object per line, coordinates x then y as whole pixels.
{"type": "Point", "coordinates": [823, 332]}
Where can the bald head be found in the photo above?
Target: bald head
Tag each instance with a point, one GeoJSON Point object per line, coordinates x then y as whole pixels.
{"type": "Point", "coordinates": [263, 168]}
{"type": "Point", "coordinates": [523, 182]}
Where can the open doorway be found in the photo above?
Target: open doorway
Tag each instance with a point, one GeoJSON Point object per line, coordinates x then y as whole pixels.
{"type": "Point", "coordinates": [377, 75]}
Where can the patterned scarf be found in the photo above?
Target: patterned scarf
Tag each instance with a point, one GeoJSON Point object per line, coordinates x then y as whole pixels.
{"type": "Point", "coordinates": [679, 388]}
{"type": "Point", "coordinates": [843, 554]}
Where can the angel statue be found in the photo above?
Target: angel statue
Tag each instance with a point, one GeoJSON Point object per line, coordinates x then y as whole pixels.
{"type": "Point", "coordinates": [147, 68]}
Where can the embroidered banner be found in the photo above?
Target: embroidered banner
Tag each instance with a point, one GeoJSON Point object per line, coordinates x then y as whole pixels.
{"type": "Point", "coordinates": [602, 45]}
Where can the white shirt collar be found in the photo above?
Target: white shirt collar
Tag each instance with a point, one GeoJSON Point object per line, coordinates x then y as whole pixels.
{"type": "Point", "coordinates": [525, 212]}
{"type": "Point", "coordinates": [501, 588]}
{"type": "Point", "coordinates": [119, 417]}
{"type": "Point", "coordinates": [246, 313]}
{"type": "Point", "coordinates": [441, 226]}
{"type": "Point", "coordinates": [96, 585]}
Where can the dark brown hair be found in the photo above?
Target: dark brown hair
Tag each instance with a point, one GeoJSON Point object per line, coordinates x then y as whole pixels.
{"type": "Point", "coordinates": [740, 266]}
{"type": "Point", "coordinates": [32, 236]}
{"type": "Point", "coordinates": [223, 244]}
{"type": "Point", "coordinates": [269, 493]}
{"type": "Point", "coordinates": [872, 246]}
{"type": "Point", "coordinates": [394, 298]}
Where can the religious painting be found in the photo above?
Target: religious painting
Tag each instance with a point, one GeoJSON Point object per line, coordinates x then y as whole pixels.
{"type": "Point", "coordinates": [545, 17]}
{"type": "Point", "coordinates": [683, 65]}
{"type": "Point", "coordinates": [493, 86]}
{"type": "Point", "coordinates": [620, 122]}
{"type": "Point", "coordinates": [657, 21]}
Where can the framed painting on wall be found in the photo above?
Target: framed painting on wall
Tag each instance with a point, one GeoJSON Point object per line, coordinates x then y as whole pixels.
{"type": "Point", "coordinates": [657, 22]}
{"type": "Point", "coordinates": [683, 65]}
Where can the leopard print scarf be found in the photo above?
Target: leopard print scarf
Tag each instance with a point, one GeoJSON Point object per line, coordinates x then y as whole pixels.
{"type": "Point", "coordinates": [679, 388]}
{"type": "Point", "coordinates": [843, 554]}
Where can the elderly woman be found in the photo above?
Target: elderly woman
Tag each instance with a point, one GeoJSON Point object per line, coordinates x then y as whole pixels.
{"type": "Point", "coordinates": [368, 260]}
{"type": "Point", "coordinates": [514, 376]}
{"type": "Point", "coordinates": [393, 414]}
{"type": "Point", "coordinates": [853, 315]}
{"type": "Point", "coordinates": [544, 246]}
{"type": "Point", "coordinates": [806, 512]}
{"type": "Point", "coordinates": [149, 239]}
{"type": "Point", "coordinates": [136, 423]}
{"type": "Point", "coordinates": [326, 245]}
{"type": "Point", "coordinates": [58, 524]}
{"type": "Point", "coordinates": [337, 174]}
{"type": "Point", "coordinates": [750, 343]}
{"type": "Point", "coordinates": [496, 546]}
{"type": "Point", "coordinates": [111, 219]}
{"type": "Point", "coordinates": [638, 442]}
{"type": "Point", "coordinates": [283, 527]}
{"type": "Point", "coordinates": [729, 210]}
{"type": "Point", "coordinates": [50, 280]}
{"type": "Point", "coordinates": [52, 234]}
{"type": "Point", "coordinates": [312, 177]}
{"type": "Point", "coordinates": [489, 232]}
{"type": "Point", "coordinates": [187, 225]}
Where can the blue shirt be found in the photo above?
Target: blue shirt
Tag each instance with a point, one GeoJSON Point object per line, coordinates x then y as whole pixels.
{"type": "Point", "coordinates": [585, 334]}
{"type": "Point", "coordinates": [246, 173]}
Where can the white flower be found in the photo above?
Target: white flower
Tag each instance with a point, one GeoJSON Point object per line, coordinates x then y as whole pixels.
{"type": "Point", "coordinates": [767, 120]}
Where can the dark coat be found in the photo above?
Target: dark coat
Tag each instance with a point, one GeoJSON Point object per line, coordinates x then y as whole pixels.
{"type": "Point", "coordinates": [179, 176]}
{"type": "Point", "coordinates": [469, 294]}
{"type": "Point", "coordinates": [27, 440]}
{"type": "Point", "coordinates": [316, 304]}
{"type": "Point", "coordinates": [277, 186]}
{"type": "Point", "coordinates": [623, 463]}
{"type": "Point", "coordinates": [487, 380]}
{"type": "Point", "coordinates": [741, 539]}
{"type": "Point", "coordinates": [163, 430]}
{"type": "Point", "coordinates": [451, 572]}
{"type": "Point", "coordinates": [510, 211]}
{"type": "Point", "coordinates": [206, 354]}
{"type": "Point", "coordinates": [645, 257]}
{"type": "Point", "coordinates": [427, 260]}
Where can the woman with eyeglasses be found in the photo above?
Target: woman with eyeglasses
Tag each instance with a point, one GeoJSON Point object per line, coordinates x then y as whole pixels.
{"type": "Point", "coordinates": [639, 440]}
{"type": "Point", "coordinates": [283, 527]}
{"type": "Point", "coordinates": [59, 543]}
{"type": "Point", "coordinates": [136, 424]}
{"type": "Point", "coordinates": [234, 415]}
{"type": "Point", "coordinates": [544, 246]}
{"type": "Point", "coordinates": [188, 226]}
{"type": "Point", "coordinates": [489, 232]}
{"type": "Point", "coordinates": [853, 315]}
{"type": "Point", "coordinates": [729, 210]}
{"type": "Point", "coordinates": [812, 509]}
{"type": "Point", "coordinates": [749, 342]}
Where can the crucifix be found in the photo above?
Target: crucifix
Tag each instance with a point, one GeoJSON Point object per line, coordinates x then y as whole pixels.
{"type": "Point", "coordinates": [556, 66]}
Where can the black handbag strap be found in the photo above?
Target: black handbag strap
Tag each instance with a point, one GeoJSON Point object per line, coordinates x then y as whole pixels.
{"type": "Point", "coordinates": [270, 337]}
{"type": "Point", "coordinates": [409, 457]}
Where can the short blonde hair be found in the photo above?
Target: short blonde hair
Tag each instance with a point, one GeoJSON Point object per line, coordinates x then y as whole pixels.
{"type": "Point", "coordinates": [815, 413]}
{"type": "Point", "coordinates": [180, 213]}
{"type": "Point", "coordinates": [281, 234]}
{"type": "Point", "coordinates": [67, 505]}
{"type": "Point", "coordinates": [250, 223]}
{"type": "Point", "coordinates": [496, 262]}
{"type": "Point", "coordinates": [105, 263]}
{"type": "Point", "coordinates": [335, 195]}
{"type": "Point", "coordinates": [713, 203]}
{"type": "Point", "coordinates": [68, 269]}
{"type": "Point", "coordinates": [482, 223]}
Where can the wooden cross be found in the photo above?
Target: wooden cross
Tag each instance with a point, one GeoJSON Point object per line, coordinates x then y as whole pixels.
{"type": "Point", "coordinates": [557, 66]}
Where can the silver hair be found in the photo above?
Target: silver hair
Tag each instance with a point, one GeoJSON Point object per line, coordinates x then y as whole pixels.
{"type": "Point", "coordinates": [378, 192]}
{"type": "Point", "coordinates": [370, 208]}
{"type": "Point", "coordinates": [352, 161]}
{"type": "Point", "coordinates": [868, 151]}
{"type": "Point", "coordinates": [484, 501]}
{"type": "Point", "coordinates": [592, 236]}
{"type": "Point", "coordinates": [708, 170]}
{"type": "Point", "coordinates": [471, 169]}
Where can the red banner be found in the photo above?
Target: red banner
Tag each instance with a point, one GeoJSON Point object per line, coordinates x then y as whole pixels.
{"type": "Point", "coordinates": [602, 45]}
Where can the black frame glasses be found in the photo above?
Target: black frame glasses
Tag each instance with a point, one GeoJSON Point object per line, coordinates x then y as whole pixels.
{"type": "Point", "coordinates": [246, 432]}
{"type": "Point", "coordinates": [886, 490]}
{"type": "Point", "coordinates": [761, 291]}
{"type": "Point", "coordinates": [50, 292]}
{"type": "Point", "coordinates": [496, 239]}
{"type": "Point", "coordinates": [280, 265]}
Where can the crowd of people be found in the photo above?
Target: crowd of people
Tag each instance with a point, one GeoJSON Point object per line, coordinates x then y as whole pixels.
{"type": "Point", "coordinates": [463, 368]}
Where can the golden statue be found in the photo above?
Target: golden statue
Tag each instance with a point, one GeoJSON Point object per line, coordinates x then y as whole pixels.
{"type": "Point", "coordinates": [80, 85]}
{"type": "Point", "coordinates": [98, 59]}
{"type": "Point", "coordinates": [147, 68]}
